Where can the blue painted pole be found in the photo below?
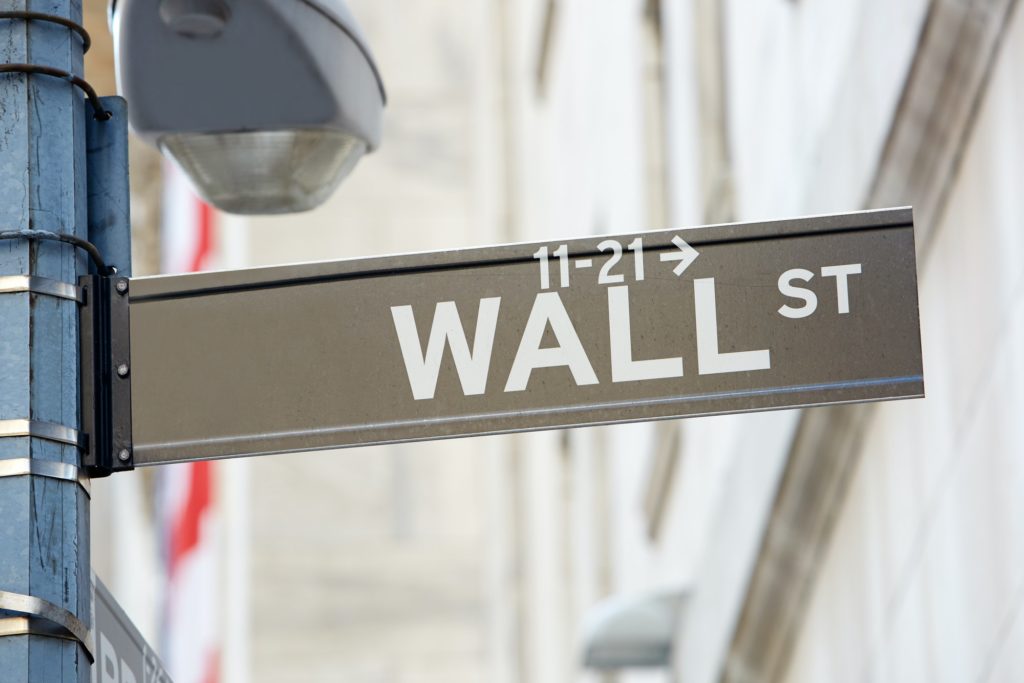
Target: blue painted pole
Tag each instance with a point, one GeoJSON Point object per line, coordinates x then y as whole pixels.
{"type": "Point", "coordinates": [44, 515]}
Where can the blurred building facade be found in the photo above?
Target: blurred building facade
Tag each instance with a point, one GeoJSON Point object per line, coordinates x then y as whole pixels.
{"type": "Point", "coordinates": [864, 543]}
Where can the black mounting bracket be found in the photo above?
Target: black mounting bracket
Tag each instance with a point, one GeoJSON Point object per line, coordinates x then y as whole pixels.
{"type": "Point", "coordinates": [106, 388]}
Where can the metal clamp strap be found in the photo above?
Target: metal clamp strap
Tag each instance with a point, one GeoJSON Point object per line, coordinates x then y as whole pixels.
{"type": "Point", "coordinates": [40, 430]}
{"type": "Point", "coordinates": [39, 617]}
{"type": "Point", "coordinates": [85, 245]}
{"type": "Point", "coordinates": [11, 284]}
{"type": "Point", "coordinates": [99, 112]}
{"type": "Point", "coordinates": [53, 19]}
{"type": "Point", "coordinates": [21, 467]}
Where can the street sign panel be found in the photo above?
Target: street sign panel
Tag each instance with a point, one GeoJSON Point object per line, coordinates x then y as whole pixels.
{"type": "Point", "coordinates": [607, 329]}
{"type": "Point", "coordinates": [122, 654]}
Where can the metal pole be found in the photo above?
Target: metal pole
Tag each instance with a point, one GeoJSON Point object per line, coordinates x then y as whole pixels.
{"type": "Point", "coordinates": [44, 514]}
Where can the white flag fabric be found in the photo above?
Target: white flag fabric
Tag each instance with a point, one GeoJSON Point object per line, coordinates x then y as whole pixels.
{"type": "Point", "coordinates": [188, 515]}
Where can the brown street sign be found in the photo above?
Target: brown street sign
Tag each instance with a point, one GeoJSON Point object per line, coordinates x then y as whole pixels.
{"type": "Point", "coordinates": [601, 330]}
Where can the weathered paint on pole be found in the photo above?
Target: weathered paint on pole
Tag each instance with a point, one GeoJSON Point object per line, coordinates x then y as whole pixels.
{"type": "Point", "coordinates": [44, 537]}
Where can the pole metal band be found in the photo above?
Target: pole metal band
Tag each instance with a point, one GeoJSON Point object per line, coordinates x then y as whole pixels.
{"type": "Point", "coordinates": [33, 234]}
{"type": "Point", "coordinates": [48, 431]}
{"type": "Point", "coordinates": [21, 467]}
{"type": "Point", "coordinates": [53, 19]}
{"type": "Point", "coordinates": [12, 284]}
{"type": "Point", "coordinates": [40, 617]}
{"type": "Point", "coordinates": [77, 81]}
{"type": "Point", "coordinates": [30, 626]}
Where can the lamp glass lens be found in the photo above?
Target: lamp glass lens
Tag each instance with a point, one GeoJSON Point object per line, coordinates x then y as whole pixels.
{"type": "Point", "coordinates": [265, 172]}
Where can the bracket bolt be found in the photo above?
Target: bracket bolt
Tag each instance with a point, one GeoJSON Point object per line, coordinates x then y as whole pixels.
{"type": "Point", "coordinates": [122, 370]}
{"type": "Point", "coordinates": [124, 455]}
{"type": "Point", "coordinates": [121, 286]}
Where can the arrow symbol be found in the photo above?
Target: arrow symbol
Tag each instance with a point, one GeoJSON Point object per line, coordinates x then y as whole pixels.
{"type": "Point", "coordinates": [686, 255]}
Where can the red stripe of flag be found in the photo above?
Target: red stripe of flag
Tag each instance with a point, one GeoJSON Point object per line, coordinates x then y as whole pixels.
{"type": "Point", "coordinates": [186, 528]}
{"type": "Point", "coordinates": [185, 534]}
{"type": "Point", "coordinates": [204, 237]}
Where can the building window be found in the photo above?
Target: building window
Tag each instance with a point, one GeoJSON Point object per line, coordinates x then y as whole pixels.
{"type": "Point", "coordinates": [547, 39]}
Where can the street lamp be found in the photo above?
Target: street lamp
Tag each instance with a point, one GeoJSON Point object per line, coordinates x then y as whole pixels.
{"type": "Point", "coordinates": [266, 104]}
{"type": "Point", "coordinates": [633, 631]}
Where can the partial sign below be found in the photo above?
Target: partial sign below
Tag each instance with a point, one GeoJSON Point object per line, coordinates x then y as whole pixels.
{"type": "Point", "coordinates": [608, 329]}
{"type": "Point", "coordinates": [122, 654]}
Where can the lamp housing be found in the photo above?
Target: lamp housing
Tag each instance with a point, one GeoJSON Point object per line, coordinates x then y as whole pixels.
{"type": "Point", "coordinates": [265, 104]}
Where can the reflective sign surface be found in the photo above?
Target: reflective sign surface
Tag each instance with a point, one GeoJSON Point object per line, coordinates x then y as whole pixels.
{"type": "Point", "coordinates": [122, 654]}
{"type": "Point", "coordinates": [608, 329]}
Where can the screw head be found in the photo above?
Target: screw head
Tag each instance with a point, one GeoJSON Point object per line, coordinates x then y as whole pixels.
{"type": "Point", "coordinates": [121, 286]}
{"type": "Point", "coordinates": [124, 455]}
{"type": "Point", "coordinates": [122, 370]}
